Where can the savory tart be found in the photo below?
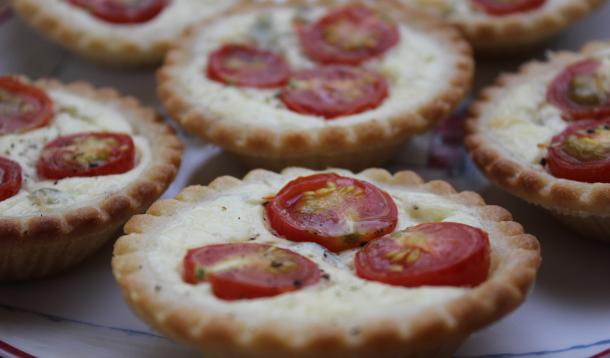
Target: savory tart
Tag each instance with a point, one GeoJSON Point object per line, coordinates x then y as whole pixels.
{"type": "Point", "coordinates": [315, 83]}
{"type": "Point", "coordinates": [75, 164]}
{"type": "Point", "coordinates": [543, 134]}
{"type": "Point", "coordinates": [324, 264]}
{"type": "Point", "coordinates": [117, 32]}
{"type": "Point", "coordinates": [508, 25]}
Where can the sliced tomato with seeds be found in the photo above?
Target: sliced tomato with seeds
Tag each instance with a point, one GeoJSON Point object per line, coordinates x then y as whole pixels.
{"type": "Point", "coordinates": [348, 35]}
{"type": "Point", "coordinates": [582, 152]}
{"type": "Point", "coordinates": [23, 107]}
{"type": "Point", "coordinates": [334, 91]}
{"type": "Point", "coordinates": [336, 212]}
{"type": "Point", "coordinates": [248, 270]}
{"type": "Point", "coordinates": [581, 91]}
{"type": "Point", "coordinates": [247, 66]}
{"type": "Point", "coordinates": [507, 7]}
{"type": "Point", "coordinates": [86, 155]}
{"type": "Point", "coordinates": [433, 254]}
{"type": "Point", "coordinates": [10, 178]}
{"type": "Point", "coordinates": [123, 11]}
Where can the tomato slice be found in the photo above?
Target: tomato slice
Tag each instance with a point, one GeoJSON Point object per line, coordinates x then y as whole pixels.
{"type": "Point", "coordinates": [334, 91]}
{"type": "Point", "coordinates": [123, 11]}
{"type": "Point", "coordinates": [582, 152]}
{"type": "Point", "coordinates": [580, 91]}
{"type": "Point", "coordinates": [23, 107]}
{"type": "Point", "coordinates": [86, 155]}
{"type": "Point", "coordinates": [433, 254]}
{"type": "Point", "coordinates": [249, 270]}
{"type": "Point", "coordinates": [10, 178]}
{"type": "Point", "coordinates": [246, 66]}
{"type": "Point", "coordinates": [336, 212]}
{"type": "Point", "coordinates": [507, 7]}
{"type": "Point", "coordinates": [348, 35]}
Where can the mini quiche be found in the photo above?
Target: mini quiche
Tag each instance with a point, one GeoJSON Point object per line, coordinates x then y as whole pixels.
{"type": "Point", "coordinates": [544, 135]}
{"type": "Point", "coordinates": [75, 164]}
{"type": "Point", "coordinates": [508, 25]}
{"type": "Point", "coordinates": [324, 264]}
{"type": "Point", "coordinates": [117, 32]}
{"type": "Point", "coordinates": [315, 83]}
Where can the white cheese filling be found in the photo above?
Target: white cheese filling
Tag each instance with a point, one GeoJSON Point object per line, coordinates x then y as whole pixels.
{"type": "Point", "coordinates": [416, 69]}
{"type": "Point", "coordinates": [237, 215]}
{"type": "Point", "coordinates": [522, 123]}
{"type": "Point", "coordinates": [464, 9]}
{"type": "Point", "coordinates": [73, 114]}
{"type": "Point", "coordinates": [167, 25]}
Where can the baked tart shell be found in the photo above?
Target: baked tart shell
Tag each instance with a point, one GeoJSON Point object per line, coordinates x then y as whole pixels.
{"type": "Point", "coordinates": [356, 147]}
{"type": "Point", "coordinates": [433, 332]}
{"type": "Point", "coordinates": [41, 245]}
{"type": "Point", "coordinates": [582, 206]}
{"type": "Point", "coordinates": [522, 32]}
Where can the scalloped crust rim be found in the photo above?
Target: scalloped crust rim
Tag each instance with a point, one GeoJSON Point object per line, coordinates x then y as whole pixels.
{"type": "Point", "coordinates": [254, 142]}
{"type": "Point", "coordinates": [436, 331]}
{"type": "Point", "coordinates": [64, 238]}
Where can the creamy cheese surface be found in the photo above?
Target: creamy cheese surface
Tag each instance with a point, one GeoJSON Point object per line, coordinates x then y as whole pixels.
{"type": "Point", "coordinates": [465, 9]}
{"type": "Point", "coordinates": [167, 25]}
{"type": "Point", "coordinates": [73, 114]}
{"type": "Point", "coordinates": [522, 123]}
{"type": "Point", "coordinates": [417, 69]}
{"type": "Point", "coordinates": [237, 215]}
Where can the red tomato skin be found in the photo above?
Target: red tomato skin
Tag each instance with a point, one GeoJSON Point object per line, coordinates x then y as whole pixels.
{"type": "Point", "coordinates": [558, 92]}
{"type": "Point", "coordinates": [275, 74]}
{"type": "Point", "coordinates": [562, 165]}
{"type": "Point", "coordinates": [35, 97]}
{"type": "Point", "coordinates": [10, 178]}
{"type": "Point", "coordinates": [451, 268]}
{"type": "Point", "coordinates": [315, 47]}
{"type": "Point", "coordinates": [290, 228]}
{"type": "Point", "coordinates": [113, 12]}
{"type": "Point", "coordinates": [51, 166]}
{"type": "Point", "coordinates": [247, 282]}
{"type": "Point", "coordinates": [497, 8]}
{"type": "Point", "coordinates": [330, 106]}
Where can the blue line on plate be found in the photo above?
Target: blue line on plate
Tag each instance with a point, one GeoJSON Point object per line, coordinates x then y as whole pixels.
{"type": "Point", "coordinates": [141, 333]}
{"type": "Point", "coordinates": [542, 353]}
{"type": "Point", "coordinates": [94, 325]}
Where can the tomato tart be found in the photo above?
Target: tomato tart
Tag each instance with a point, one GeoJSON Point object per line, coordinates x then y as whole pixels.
{"type": "Point", "coordinates": [543, 135]}
{"type": "Point", "coordinates": [315, 83]}
{"type": "Point", "coordinates": [75, 163]}
{"type": "Point", "coordinates": [117, 32]}
{"type": "Point", "coordinates": [508, 25]}
{"type": "Point", "coordinates": [328, 264]}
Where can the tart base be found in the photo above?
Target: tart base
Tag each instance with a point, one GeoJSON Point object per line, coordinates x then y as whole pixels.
{"type": "Point", "coordinates": [356, 160]}
{"type": "Point", "coordinates": [32, 260]}
{"type": "Point", "coordinates": [578, 204]}
{"type": "Point", "coordinates": [518, 33]}
{"type": "Point", "coordinates": [591, 226]}
{"type": "Point", "coordinates": [433, 332]}
{"type": "Point", "coordinates": [351, 146]}
{"type": "Point", "coordinates": [38, 245]}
